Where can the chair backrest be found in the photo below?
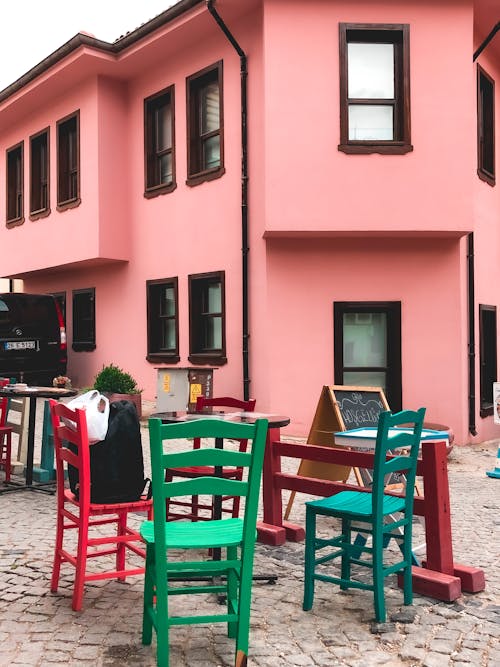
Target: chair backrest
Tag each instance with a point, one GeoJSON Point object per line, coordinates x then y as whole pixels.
{"type": "Point", "coordinates": [216, 429]}
{"type": "Point", "coordinates": [71, 444]}
{"type": "Point", "coordinates": [4, 403]}
{"type": "Point", "coordinates": [224, 402]}
{"type": "Point", "coordinates": [405, 446]}
{"type": "Point", "coordinates": [4, 408]}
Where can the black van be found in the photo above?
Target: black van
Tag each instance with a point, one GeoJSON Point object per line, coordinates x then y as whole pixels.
{"type": "Point", "coordinates": [32, 338]}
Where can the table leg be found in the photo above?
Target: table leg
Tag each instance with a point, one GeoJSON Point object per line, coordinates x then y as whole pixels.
{"type": "Point", "coordinates": [31, 442]}
{"type": "Point", "coordinates": [271, 530]}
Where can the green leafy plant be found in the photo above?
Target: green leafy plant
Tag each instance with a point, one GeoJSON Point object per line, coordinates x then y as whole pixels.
{"type": "Point", "coordinates": [114, 380]}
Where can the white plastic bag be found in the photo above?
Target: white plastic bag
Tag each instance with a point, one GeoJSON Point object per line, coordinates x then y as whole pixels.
{"type": "Point", "coordinates": [96, 408]}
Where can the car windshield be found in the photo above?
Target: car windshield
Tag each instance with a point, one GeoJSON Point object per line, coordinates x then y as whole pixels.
{"type": "Point", "coordinates": [32, 315]}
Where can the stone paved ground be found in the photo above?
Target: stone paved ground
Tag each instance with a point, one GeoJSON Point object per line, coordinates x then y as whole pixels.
{"type": "Point", "coordinates": [38, 628]}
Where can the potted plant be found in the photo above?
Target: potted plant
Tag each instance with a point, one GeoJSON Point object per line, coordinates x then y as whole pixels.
{"type": "Point", "coordinates": [117, 385]}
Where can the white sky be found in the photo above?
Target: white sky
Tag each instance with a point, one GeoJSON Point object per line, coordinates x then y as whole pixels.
{"type": "Point", "coordinates": [30, 30]}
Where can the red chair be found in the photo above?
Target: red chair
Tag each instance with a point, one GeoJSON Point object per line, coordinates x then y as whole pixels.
{"type": "Point", "coordinates": [5, 435]}
{"type": "Point", "coordinates": [88, 547]}
{"type": "Point", "coordinates": [195, 506]}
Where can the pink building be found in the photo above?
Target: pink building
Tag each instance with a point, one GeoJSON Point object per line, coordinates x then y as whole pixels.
{"type": "Point", "coordinates": [365, 249]}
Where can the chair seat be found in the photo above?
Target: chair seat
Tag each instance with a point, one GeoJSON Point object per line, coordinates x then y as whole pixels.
{"type": "Point", "coordinates": [355, 504]}
{"type": "Point", "coordinates": [198, 534]}
{"type": "Point", "coordinates": [142, 505]}
{"type": "Point", "coordinates": [205, 471]}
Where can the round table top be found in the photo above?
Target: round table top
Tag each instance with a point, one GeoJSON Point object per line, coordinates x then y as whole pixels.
{"type": "Point", "coordinates": [37, 392]}
{"type": "Point", "coordinates": [274, 421]}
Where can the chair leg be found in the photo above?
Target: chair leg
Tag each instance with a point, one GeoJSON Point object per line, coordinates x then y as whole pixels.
{"type": "Point", "coordinates": [244, 610]}
{"type": "Point", "coordinates": [121, 529]}
{"type": "Point", "coordinates": [236, 507]}
{"type": "Point", "coordinates": [309, 559]}
{"type": "Point", "coordinates": [345, 571]}
{"type": "Point", "coordinates": [162, 624]}
{"type": "Point", "coordinates": [56, 567]}
{"type": "Point", "coordinates": [378, 577]}
{"type": "Point", "coordinates": [6, 451]}
{"type": "Point", "coordinates": [148, 608]}
{"type": "Point", "coordinates": [232, 594]}
{"type": "Point", "coordinates": [195, 508]}
{"type": "Point", "coordinates": [81, 563]}
{"type": "Point", "coordinates": [408, 557]}
{"type": "Point", "coordinates": [241, 659]}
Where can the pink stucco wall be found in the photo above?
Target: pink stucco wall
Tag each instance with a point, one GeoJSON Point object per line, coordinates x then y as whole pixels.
{"type": "Point", "coordinates": [301, 329]}
{"type": "Point", "coordinates": [324, 226]}
{"type": "Point", "coordinates": [312, 185]}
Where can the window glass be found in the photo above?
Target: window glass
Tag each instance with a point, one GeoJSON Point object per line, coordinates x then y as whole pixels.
{"type": "Point", "coordinates": [207, 318]}
{"type": "Point", "coordinates": [211, 152]}
{"type": "Point", "coordinates": [164, 127]}
{"type": "Point", "coordinates": [214, 298]}
{"type": "Point", "coordinates": [367, 122]}
{"type": "Point", "coordinates": [214, 333]}
{"type": "Point", "coordinates": [488, 356]}
{"type": "Point", "coordinates": [205, 126]}
{"type": "Point", "coordinates": [159, 143]}
{"type": "Point", "coordinates": [370, 70]}
{"type": "Point", "coordinates": [39, 174]}
{"type": "Point", "coordinates": [486, 127]}
{"type": "Point", "coordinates": [209, 108]}
{"type": "Point", "coordinates": [162, 325]}
{"type": "Point", "coordinates": [15, 183]}
{"type": "Point", "coordinates": [68, 168]}
{"type": "Point", "coordinates": [367, 346]}
{"type": "Point", "coordinates": [365, 339]}
{"type": "Point", "coordinates": [84, 319]}
{"type": "Point", "coordinates": [368, 379]}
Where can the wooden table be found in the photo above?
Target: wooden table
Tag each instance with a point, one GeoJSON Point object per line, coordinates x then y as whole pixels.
{"type": "Point", "coordinates": [33, 393]}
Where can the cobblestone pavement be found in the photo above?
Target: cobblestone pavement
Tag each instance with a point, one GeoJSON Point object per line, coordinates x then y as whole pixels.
{"type": "Point", "coordinates": [38, 628]}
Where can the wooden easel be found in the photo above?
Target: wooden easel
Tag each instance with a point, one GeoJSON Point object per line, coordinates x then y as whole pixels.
{"type": "Point", "coordinates": [339, 408]}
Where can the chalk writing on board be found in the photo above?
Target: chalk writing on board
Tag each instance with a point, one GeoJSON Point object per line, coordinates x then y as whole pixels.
{"type": "Point", "coordinates": [359, 408]}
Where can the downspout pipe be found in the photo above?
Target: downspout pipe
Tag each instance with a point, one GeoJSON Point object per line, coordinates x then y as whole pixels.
{"type": "Point", "coordinates": [472, 340]}
{"type": "Point", "coordinates": [485, 42]}
{"type": "Point", "coordinates": [244, 192]}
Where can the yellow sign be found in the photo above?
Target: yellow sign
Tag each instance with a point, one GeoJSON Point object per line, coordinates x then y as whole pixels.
{"type": "Point", "coordinates": [166, 382]}
{"type": "Point", "coordinates": [194, 392]}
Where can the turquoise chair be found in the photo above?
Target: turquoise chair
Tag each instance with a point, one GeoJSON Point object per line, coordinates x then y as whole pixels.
{"type": "Point", "coordinates": [381, 515]}
{"type": "Point", "coordinates": [234, 538]}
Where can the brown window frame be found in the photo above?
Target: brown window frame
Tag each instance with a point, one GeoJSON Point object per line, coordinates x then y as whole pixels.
{"type": "Point", "coordinates": [199, 319]}
{"type": "Point", "coordinates": [155, 317]}
{"type": "Point", "coordinates": [84, 325]}
{"type": "Point", "coordinates": [485, 126]}
{"type": "Point", "coordinates": [68, 175]}
{"type": "Point", "coordinates": [40, 174]}
{"type": "Point", "coordinates": [195, 140]}
{"type": "Point", "coordinates": [487, 357]}
{"type": "Point", "coordinates": [14, 212]}
{"type": "Point", "coordinates": [393, 368]}
{"type": "Point", "coordinates": [152, 152]}
{"type": "Point", "coordinates": [397, 34]}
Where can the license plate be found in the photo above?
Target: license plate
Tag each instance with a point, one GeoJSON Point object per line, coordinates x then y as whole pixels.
{"type": "Point", "coordinates": [21, 345]}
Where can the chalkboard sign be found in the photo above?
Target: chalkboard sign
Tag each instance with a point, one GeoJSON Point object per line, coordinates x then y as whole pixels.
{"type": "Point", "coordinates": [339, 408]}
{"type": "Point", "coordinates": [358, 406]}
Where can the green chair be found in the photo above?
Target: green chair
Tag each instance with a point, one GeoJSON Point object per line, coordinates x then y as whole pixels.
{"type": "Point", "coordinates": [381, 515]}
{"type": "Point", "coordinates": [234, 538]}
